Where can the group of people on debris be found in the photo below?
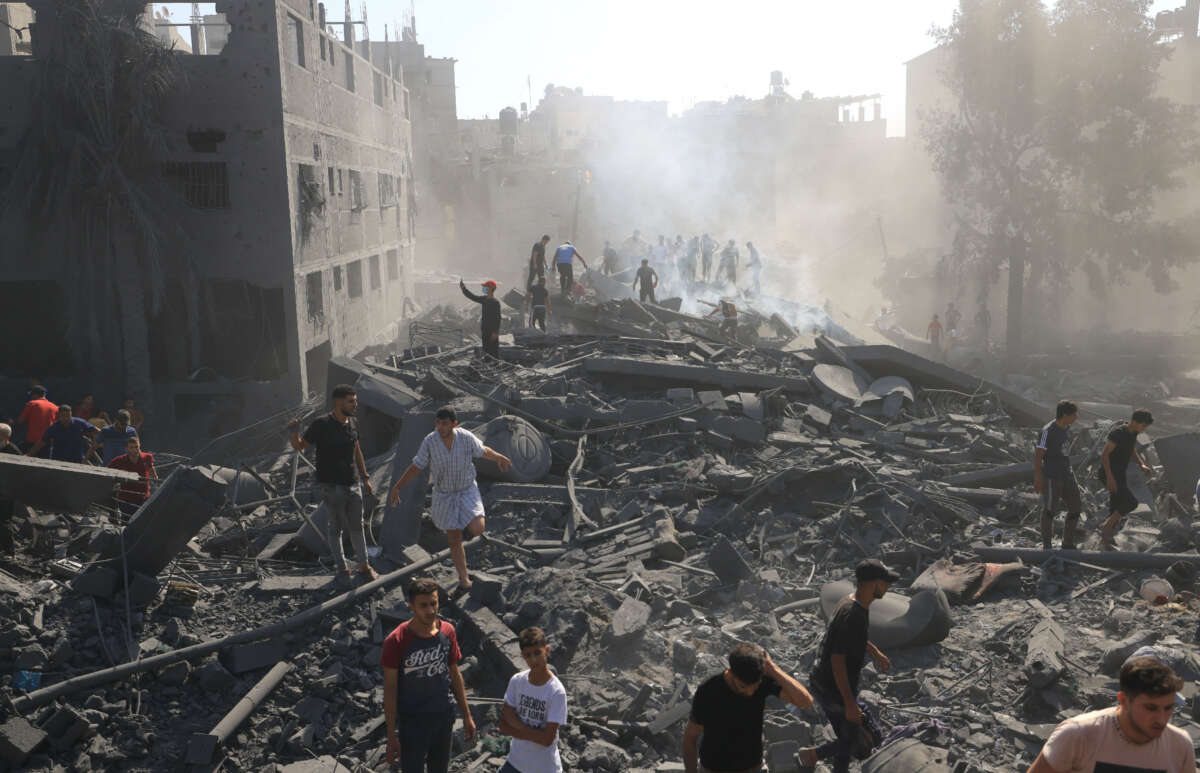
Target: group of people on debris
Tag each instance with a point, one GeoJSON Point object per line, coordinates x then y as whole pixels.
{"type": "Point", "coordinates": [78, 434]}
{"type": "Point", "coordinates": [685, 262]}
{"type": "Point", "coordinates": [422, 681]}
{"type": "Point", "coordinates": [944, 336]}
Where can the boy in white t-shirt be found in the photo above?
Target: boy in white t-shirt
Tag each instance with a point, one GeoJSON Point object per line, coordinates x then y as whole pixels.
{"type": "Point", "coordinates": [535, 704]}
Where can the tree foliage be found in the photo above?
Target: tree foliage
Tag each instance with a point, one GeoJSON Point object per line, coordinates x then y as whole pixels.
{"type": "Point", "coordinates": [1057, 149]}
{"type": "Point", "coordinates": [86, 194]}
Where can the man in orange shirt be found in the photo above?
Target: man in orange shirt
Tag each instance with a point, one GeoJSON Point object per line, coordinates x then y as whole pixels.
{"type": "Point", "coordinates": [37, 416]}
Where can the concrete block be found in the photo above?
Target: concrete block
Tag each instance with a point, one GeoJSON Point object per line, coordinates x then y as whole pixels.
{"type": "Point", "coordinates": [402, 523]}
{"type": "Point", "coordinates": [97, 581]}
{"type": "Point", "coordinates": [143, 589]}
{"type": "Point", "coordinates": [781, 757]}
{"type": "Point", "coordinates": [740, 428]}
{"type": "Point", "coordinates": [260, 654]}
{"type": "Point", "coordinates": [486, 588]}
{"type": "Point", "coordinates": [659, 373]}
{"type": "Point", "coordinates": [64, 727]}
{"type": "Point", "coordinates": [57, 486]}
{"type": "Point", "coordinates": [712, 400]}
{"type": "Point", "coordinates": [291, 584]}
{"type": "Point", "coordinates": [630, 619]}
{"type": "Point", "coordinates": [729, 565]}
{"type": "Point", "coordinates": [172, 515]}
{"type": "Point", "coordinates": [818, 416]}
{"type": "Point", "coordinates": [681, 395]}
{"type": "Point", "coordinates": [311, 709]}
{"type": "Point", "coordinates": [498, 642]}
{"type": "Point", "coordinates": [19, 739]}
{"type": "Point", "coordinates": [687, 424]}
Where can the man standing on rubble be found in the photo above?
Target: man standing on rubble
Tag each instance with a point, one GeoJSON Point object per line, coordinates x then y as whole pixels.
{"type": "Point", "coordinates": [449, 453]}
{"type": "Point", "coordinates": [37, 416]}
{"type": "Point", "coordinates": [725, 729]}
{"type": "Point", "coordinates": [835, 677]}
{"type": "Point", "coordinates": [564, 261]}
{"type": "Point", "coordinates": [537, 261]}
{"type": "Point", "coordinates": [539, 299]}
{"type": "Point", "coordinates": [1053, 477]}
{"type": "Point", "coordinates": [335, 436]}
{"type": "Point", "coordinates": [755, 264]}
{"type": "Point", "coordinates": [420, 672]}
{"type": "Point", "coordinates": [935, 333]}
{"type": "Point", "coordinates": [707, 247]}
{"type": "Point", "coordinates": [648, 278]}
{"type": "Point", "coordinates": [489, 320]}
{"type": "Point", "coordinates": [728, 311]}
{"type": "Point", "coordinates": [535, 706]}
{"type": "Point", "coordinates": [729, 261]}
{"type": "Point", "coordinates": [1135, 736]}
{"type": "Point", "coordinates": [1114, 464]}
{"type": "Point", "coordinates": [983, 324]}
{"type": "Point", "coordinates": [609, 263]}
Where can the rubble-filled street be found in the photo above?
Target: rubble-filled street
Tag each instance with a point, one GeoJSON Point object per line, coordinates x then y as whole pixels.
{"type": "Point", "coordinates": [670, 495]}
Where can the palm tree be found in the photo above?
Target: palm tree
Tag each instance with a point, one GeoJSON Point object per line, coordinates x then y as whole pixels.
{"type": "Point", "coordinates": [87, 195]}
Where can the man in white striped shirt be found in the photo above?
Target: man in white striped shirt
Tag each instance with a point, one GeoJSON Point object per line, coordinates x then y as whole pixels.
{"type": "Point", "coordinates": [449, 453]}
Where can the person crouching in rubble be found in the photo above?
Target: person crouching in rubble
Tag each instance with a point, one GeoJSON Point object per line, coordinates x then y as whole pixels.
{"type": "Point", "coordinates": [834, 679]}
{"type": "Point", "coordinates": [1114, 464]}
{"type": "Point", "coordinates": [728, 312]}
{"type": "Point", "coordinates": [335, 436]}
{"type": "Point", "coordinates": [1135, 736]}
{"type": "Point", "coordinates": [1053, 477]}
{"type": "Point", "coordinates": [726, 723]}
{"type": "Point", "coordinates": [449, 453]}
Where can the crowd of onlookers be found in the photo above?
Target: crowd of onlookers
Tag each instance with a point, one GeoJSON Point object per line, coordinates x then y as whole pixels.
{"type": "Point", "coordinates": [79, 434]}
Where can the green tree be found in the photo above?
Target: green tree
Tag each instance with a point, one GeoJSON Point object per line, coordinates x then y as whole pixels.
{"type": "Point", "coordinates": [1057, 149]}
{"type": "Point", "coordinates": [87, 196]}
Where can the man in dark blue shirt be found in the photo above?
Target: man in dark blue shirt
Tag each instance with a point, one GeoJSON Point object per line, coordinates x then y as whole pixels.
{"type": "Point", "coordinates": [112, 439]}
{"type": "Point", "coordinates": [1053, 477]}
{"type": "Point", "coordinates": [65, 437]}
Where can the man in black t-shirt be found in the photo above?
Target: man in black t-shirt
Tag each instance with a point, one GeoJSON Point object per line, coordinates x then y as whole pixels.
{"type": "Point", "coordinates": [539, 298]}
{"type": "Point", "coordinates": [834, 679]}
{"type": "Point", "coordinates": [725, 726]}
{"type": "Point", "coordinates": [489, 319]}
{"type": "Point", "coordinates": [537, 261]}
{"type": "Point", "coordinates": [1114, 462]}
{"type": "Point", "coordinates": [335, 436]}
{"type": "Point", "coordinates": [1053, 477]}
{"type": "Point", "coordinates": [648, 279]}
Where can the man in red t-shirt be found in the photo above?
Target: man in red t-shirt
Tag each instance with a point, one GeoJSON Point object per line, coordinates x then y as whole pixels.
{"type": "Point", "coordinates": [37, 416]}
{"type": "Point", "coordinates": [420, 670]}
{"type": "Point", "coordinates": [130, 496]}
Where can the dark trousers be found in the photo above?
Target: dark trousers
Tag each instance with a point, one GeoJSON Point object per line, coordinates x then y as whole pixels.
{"type": "Point", "coordinates": [538, 319]}
{"type": "Point", "coordinates": [425, 741]}
{"type": "Point", "coordinates": [849, 742]}
{"type": "Point", "coordinates": [646, 294]}
{"type": "Point", "coordinates": [7, 543]}
{"type": "Point", "coordinates": [491, 342]}
{"type": "Point", "coordinates": [566, 278]}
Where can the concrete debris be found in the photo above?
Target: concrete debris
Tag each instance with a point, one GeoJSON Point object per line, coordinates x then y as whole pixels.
{"type": "Point", "coordinates": [57, 486]}
{"type": "Point", "coordinates": [674, 491]}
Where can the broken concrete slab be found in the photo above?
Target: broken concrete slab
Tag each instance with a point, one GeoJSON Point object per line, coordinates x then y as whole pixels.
{"type": "Point", "coordinates": [659, 374]}
{"type": "Point", "coordinates": [173, 514]}
{"type": "Point", "coordinates": [892, 361]}
{"type": "Point", "coordinates": [1002, 476]}
{"type": "Point", "coordinates": [1044, 656]}
{"type": "Point", "coordinates": [58, 486]}
{"type": "Point", "coordinates": [908, 755]}
{"type": "Point", "coordinates": [249, 657]}
{"type": "Point", "coordinates": [19, 739]}
{"type": "Point", "coordinates": [838, 384]}
{"type": "Point", "coordinates": [630, 619]}
{"type": "Point", "coordinates": [521, 442]}
{"type": "Point", "coordinates": [1113, 559]}
{"type": "Point", "coordinates": [898, 621]}
{"type": "Point", "coordinates": [727, 562]}
{"type": "Point", "coordinates": [402, 522]}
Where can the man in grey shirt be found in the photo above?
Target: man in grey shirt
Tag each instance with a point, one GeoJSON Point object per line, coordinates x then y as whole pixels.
{"type": "Point", "coordinates": [1053, 477]}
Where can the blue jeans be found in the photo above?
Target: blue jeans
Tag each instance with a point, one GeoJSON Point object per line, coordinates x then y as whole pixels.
{"type": "Point", "coordinates": [848, 741]}
{"type": "Point", "coordinates": [425, 741]}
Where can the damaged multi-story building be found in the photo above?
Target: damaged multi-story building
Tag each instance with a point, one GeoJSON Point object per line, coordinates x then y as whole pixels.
{"type": "Point", "coordinates": [292, 149]}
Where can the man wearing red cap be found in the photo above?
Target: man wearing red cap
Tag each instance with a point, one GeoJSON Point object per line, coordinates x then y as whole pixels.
{"type": "Point", "coordinates": [489, 323]}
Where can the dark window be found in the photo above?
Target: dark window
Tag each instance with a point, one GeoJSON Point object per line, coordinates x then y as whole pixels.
{"type": "Point", "coordinates": [393, 258]}
{"type": "Point", "coordinates": [295, 39]}
{"type": "Point", "coordinates": [349, 72]}
{"type": "Point", "coordinates": [312, 200]}
{"type": "Point", "coordinates": [354, 278]}
{"type": "Point", "coordinates": [340, 188]}
{"type": "Point", "coordinates": [374, 264]}
{"type": "Point", "coordinates": [406, 103]}
{"type": "Point", "coordinates": [204, 184]}
{"type": "Point", "coordinates": [316, 304]}
{"type": "Point", "coordinates": [322, 39]}
{"type": "Point", "coordinates": [337, 278]}
{"type": "Point", "coordinates": [387, 190]}
{"type": "Point", "coordinates": [332, 188]}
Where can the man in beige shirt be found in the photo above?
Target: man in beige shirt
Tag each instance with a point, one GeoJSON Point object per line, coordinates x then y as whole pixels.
{"type": "Point", "coordinates": [1135, 736]}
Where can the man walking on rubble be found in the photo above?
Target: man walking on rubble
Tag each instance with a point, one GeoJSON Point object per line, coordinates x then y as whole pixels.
{"type": "Point", "coordinates": [489, 320]}
{"type": "Point", "coordinates": [564, 261]}
{"type": "Point", "coordinates": [420, 673]}
{"type": "Point", "coordinates": [335, 436]}
{"type": "Point", "coordinates": [725, 729]}
{"type": "Point", "coordinates": [648, 278]}
{"type": "Point", "coordinates": [1053, 477]}
{"type": "Point", "coordinates": [449, 453]}
{"type": "Point", "coordinates": [1120, 447]}
{"type": "Point", "coordinates": [537, 261]}
{"type": "Point", "coordinates": [834, 679]}
{"type": "Point", "coordinates": [1135, 736]}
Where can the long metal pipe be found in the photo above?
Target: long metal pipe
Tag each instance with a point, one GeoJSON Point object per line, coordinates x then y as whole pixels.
{"type": "Point", "coordinates": [202, 745]}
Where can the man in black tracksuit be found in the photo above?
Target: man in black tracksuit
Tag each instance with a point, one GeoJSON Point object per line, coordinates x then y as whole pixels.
{"type": "Point", "coordinates": [489, 323]}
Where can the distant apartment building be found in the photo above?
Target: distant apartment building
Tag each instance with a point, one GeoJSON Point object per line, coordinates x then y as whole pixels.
{"type": "Point", "coordinates": [293, 153]}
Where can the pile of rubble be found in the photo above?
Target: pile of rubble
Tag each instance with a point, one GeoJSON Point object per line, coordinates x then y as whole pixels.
{"type": "Point", "coordinates": [671, 494]}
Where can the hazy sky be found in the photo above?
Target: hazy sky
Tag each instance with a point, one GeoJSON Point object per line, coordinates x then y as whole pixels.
{"type": "Point", "coordinates": [681, 51]}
